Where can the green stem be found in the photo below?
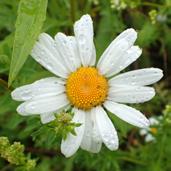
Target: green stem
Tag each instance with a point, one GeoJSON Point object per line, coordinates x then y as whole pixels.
{"type": "Point", "coordinates": [72, 10]}
{"type": "Point", "coordinates": [132, 160]}
{"type": "Point", "coordinates": [154, 4]}
{"type": "Point", "coordinates": [4, 84]}
{"type": "Point", "coordinates": [161, 152]}
{"type": "Point", "coordinates": [69, 164]}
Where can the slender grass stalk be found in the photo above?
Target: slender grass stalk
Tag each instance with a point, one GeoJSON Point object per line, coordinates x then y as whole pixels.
{"type": "Point", "coordinates": [72, 10]}
{"type": "Point", "coordinates": [154, 4]}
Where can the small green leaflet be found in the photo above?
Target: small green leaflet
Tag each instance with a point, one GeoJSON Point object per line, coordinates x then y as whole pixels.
{"type": "Point", "coordinates": [31, 15]}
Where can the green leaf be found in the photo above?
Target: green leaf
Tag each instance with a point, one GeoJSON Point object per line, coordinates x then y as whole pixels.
{"type": "Point", "coordinates": [31, 15]}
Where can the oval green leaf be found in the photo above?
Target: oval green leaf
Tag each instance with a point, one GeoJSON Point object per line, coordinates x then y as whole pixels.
{"type": "Point", "coordinates": [31, 15]}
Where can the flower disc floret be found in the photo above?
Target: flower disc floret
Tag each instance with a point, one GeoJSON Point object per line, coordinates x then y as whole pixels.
{"type": "Point", "coordinates": [86, 88]}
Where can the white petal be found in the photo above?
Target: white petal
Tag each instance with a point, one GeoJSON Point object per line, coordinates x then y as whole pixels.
{"type": "Point", "coordinates": [149, 138]}
{"type": "Point", "coordinates": [72, 142]}
{"type": "Point", "coordinates": [40, 89]}
{"type": "Point", "coordinates": [111, 55]}
{"type": "Point", "coordinates": [120, 44]}
{"type": "Point", "coordinates": [91, 141]}
{"type": "Point", "coordinates": [129, 34]}
{"type": "Point", "coordinates": [128, 114]}
{"type": "Point", "coordinates": [83, 30]}
{"type": "Point", "coordinates": [47, 117]}
{"type": "Point", "coordinates": [106, 129]}
{"type": "Point", "coordinates": [43, 105]}
{"type": "Point", "coordinates": [143, 131]}
{"type": "Point", "coordinates": [66, 46]}
{"type": "Point", "coordinates": [87, 137]}
{"type": "Point", "coordinates": [96, 137]}
{"type": "Point", "coordinates": [131, 55]}
{"type": "Point", "coordinates": [45, 53]}
{"type": "Point", "coordinates": [93, 57]}
{"type": "Point", "coordinates": [153, 121]}
{"type": "Point", "coordinates": [73, 44]}
{"type": "Point", "coordinates": [130, 94]}
{"type": "Point", "coordinates": [160, 118]}
{"type": "Point", "coordinates": [141, 77]}
{"type": "Point", "coordinates": [22, 111]}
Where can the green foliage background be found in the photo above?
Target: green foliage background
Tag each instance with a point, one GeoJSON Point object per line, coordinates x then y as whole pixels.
{"type": "Point", "coordinates": [21, 21]}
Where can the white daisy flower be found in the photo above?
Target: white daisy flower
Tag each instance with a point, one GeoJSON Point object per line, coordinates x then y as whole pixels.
{"type": "Point", "coordinates": [86, 87]}
{"type": "Point", "coordinates": [151, 130]}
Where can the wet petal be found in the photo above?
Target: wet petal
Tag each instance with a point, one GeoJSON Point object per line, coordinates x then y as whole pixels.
{"type": "Point", "coordinates": [131, 55]}
{"type": "Point", "coordinates": [130, 94]}
{"type": "Point", "coordinates": [91, 141]}
{"type": "Point", "coordinates": [43, 105]}
{"type": "Point", "coordinates": [43, 88]}
{"type": "Point", "coordinates": [83, 30]}
{"type": "Point", "coordinates": [72, 142]}
{"type": "Point", "coordinates": [106, 129]}
{"type": "Point", "coordinates": [45, 53]}
{"type": "Point", "coordinates": [110, 60]}
{"type": "Point", "coordinates": [141, 77]}
{"type": "Point", "coordinates": [67, 47]}
{"type": "Point", "coordinates": [128, 114]}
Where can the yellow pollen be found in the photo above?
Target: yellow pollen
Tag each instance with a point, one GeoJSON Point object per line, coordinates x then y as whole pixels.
{"type": "Point", "coordinates": [153, 130]}
{"type": "Point", "coordinates": [86, 88]}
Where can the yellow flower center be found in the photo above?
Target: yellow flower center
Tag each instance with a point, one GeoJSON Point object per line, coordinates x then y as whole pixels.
{"type": "Point", "coordinates": [86, 88]}
{"type": "Point", "coordinates": [153, 130]}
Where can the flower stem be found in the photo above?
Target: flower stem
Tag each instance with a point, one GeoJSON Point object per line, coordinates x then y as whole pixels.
{"type": "Point", "coordinates": [4, 84]}
{"type": "Point", "coordinates": [154, 4]}
{"type": "Point", "coordinates": [132, 160]}
{"type": "Point", "coordinates": [72, 10]}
